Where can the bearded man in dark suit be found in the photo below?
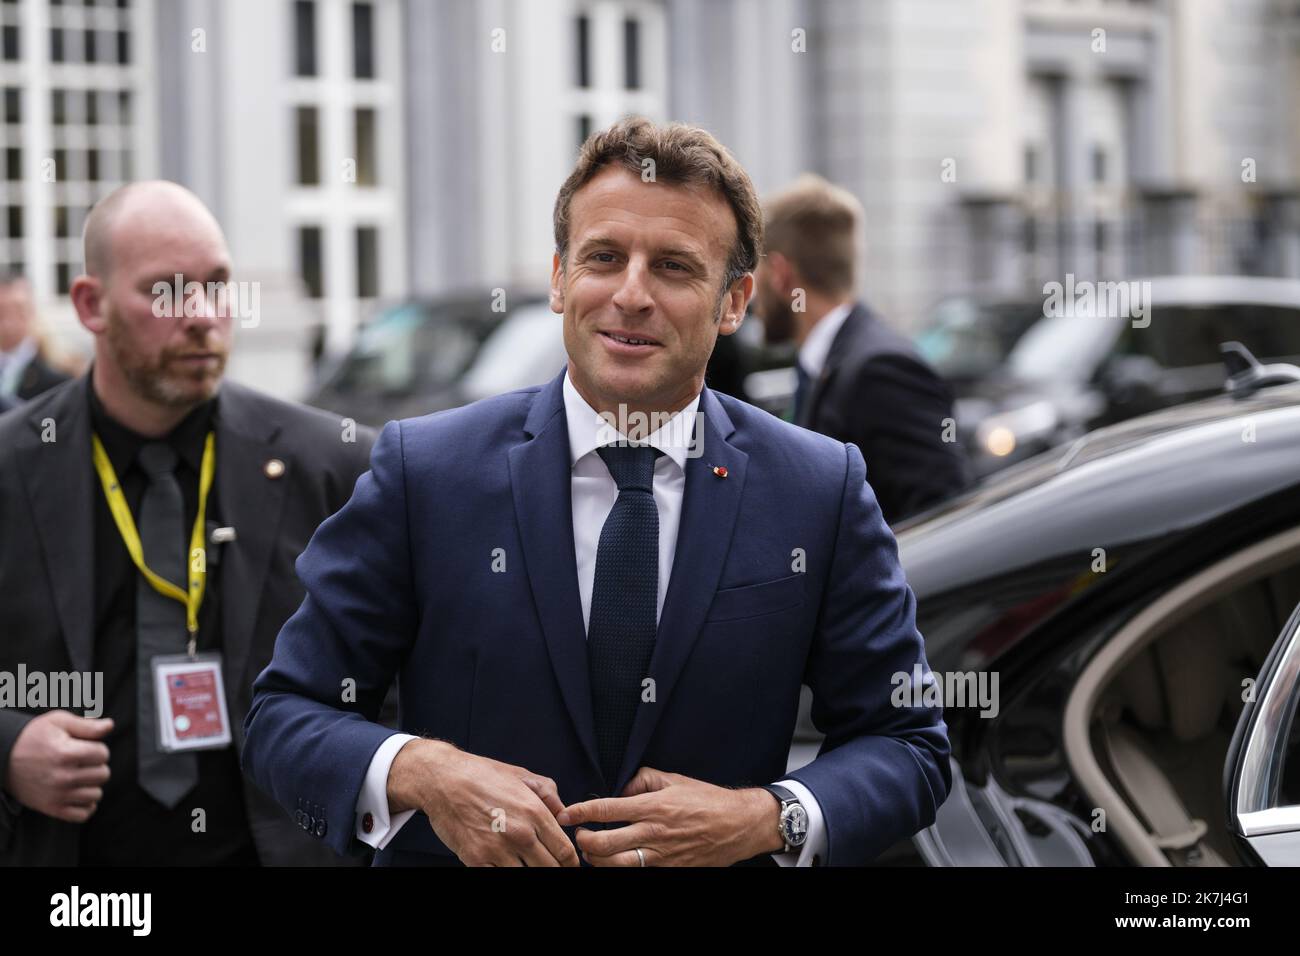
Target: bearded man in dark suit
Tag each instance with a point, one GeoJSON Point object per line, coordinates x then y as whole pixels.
{"type": "Point", "coordinates": [151, 511]}
{"type": "Point", "coordinates": [859, 380]}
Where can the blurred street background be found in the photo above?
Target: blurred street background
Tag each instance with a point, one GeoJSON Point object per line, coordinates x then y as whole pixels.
{"type": "Point", "coordinates": [386, 169]}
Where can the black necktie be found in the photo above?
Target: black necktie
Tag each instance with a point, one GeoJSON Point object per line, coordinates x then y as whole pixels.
{"type": "Point", "coordinates": [160, 621]}
{"type": "Point", "coordinates": [624, 601]}
{"type": "Point", "coordinates": [803, 382]}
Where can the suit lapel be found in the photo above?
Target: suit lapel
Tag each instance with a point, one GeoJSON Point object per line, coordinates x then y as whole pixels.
{"type": "Point", "coordinates": [540, 481]}
{"type": "Point", "coordinates": [251, 503]}
{"type": "Point", "coordinates": [60, 486]}
{"type": "Point", "coordinates": [839, 347]}
{"type": "Point", "coordinates": [710, 505]}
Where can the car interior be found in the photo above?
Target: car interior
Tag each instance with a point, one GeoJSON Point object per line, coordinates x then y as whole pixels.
{"type": "Point", "coordinates": [1162, 700]}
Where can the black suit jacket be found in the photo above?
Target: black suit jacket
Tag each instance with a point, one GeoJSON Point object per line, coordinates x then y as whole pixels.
{"type": "Point", "coordinates": [37, 377]}
{"type": "Point", "coordinates": [878, 393]}
{"type": "Point", "coordinates": [47, 491]}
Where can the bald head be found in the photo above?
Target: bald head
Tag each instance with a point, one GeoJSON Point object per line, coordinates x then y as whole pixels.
{"type": "Point", "coordinates": [156, 267]}
{"type": "Point", "coordinates": [137, 216]}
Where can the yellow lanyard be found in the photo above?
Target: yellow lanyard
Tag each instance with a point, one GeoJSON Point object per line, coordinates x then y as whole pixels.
{"type": "Point", "coordinates": [198, 575]}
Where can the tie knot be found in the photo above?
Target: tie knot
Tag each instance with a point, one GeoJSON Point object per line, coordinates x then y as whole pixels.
{"type": "Point", "coordinates": [157, 459]}
{"type": "Point", "coordinates": [631, 466]}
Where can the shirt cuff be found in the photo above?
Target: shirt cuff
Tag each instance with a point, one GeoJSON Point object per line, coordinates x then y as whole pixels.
{"type": "Point", "coordinates": [815, 844]}
{"type": "Point", "coordinates": [374, 828]}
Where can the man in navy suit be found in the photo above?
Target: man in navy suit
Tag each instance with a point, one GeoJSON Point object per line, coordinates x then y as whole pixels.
{"type": "Point", "coordinates": [600, 596]}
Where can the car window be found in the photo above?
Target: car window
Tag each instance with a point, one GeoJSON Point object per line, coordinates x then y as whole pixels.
{"type": "Point", "coordinates": [1266, 759]}
{"type": "Point", "coordinates": [1289, 792]}
{"type": "Point", "coordinates": [1271, 332]}
{"type": "Point", "coordinates": [1289, 785]}
{"type": "Point", "coordinates": [964, 339]}
{"type": "Point", "coordinates": [410, 348]}
{"type": "Point", "coordinates": [1064, 347]}
{"type": "Point", "coordinates": [526, 349]}
{"type": "Point", "coordinates": [1182, 336]}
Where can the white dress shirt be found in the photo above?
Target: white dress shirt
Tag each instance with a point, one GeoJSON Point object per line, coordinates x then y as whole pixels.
{"type": "Point", "coordinates": [816, 347]}
{"type": "Point", "coordinates": [13, 363]}
{"type": "Point", "coordinates": [593, 495]}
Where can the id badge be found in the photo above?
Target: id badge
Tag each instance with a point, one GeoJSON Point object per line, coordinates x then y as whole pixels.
{"type": "Point", "coordinates": [191, 698]}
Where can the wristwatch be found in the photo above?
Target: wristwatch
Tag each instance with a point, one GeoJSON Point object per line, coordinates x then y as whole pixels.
{"type": "Point", "coordinates": [792, 826]}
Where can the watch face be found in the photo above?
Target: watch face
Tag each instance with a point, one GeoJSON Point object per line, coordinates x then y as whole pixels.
{"type": "Point", "coordinates": [794, 824]}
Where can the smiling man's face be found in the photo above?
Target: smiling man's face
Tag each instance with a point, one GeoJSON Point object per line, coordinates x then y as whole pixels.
{"type": "Point", "coordinates": [646, 261]}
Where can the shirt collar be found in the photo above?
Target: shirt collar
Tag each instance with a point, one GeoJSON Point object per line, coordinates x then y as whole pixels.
{"type": "Point", "coordinates": [817, 346]}
{"type": "Point", "coordinates": [122, 444]}
{"type": "Point", "coordinates": [22, 353]}
{"type": "Point", "coordinates": [588, 431]}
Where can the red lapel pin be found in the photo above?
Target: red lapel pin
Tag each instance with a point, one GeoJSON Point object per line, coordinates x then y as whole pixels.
{"type": "Point", "coordinates": [720, 471]}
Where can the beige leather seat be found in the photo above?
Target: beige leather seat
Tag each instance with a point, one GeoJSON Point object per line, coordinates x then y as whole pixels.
{"type": "Point", "coordinates": [1165, 723]}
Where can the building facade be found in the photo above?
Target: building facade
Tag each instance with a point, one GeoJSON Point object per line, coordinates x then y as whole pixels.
{"type": "Point", "coordinates": [995, 144]}
{"type": "Point", "coordinates": [287, 118]}
{"type": "Point", "coordinates": [359, 152]}
{"type": "Point", "coordinates": [78, 85]}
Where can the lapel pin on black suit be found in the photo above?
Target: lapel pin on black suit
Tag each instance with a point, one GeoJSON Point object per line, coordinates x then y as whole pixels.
{"type": "Point", "coordinates": [273, 469]}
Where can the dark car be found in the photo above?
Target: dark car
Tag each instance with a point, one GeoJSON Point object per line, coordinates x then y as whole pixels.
{"type": "Point", "coordinates": [967, 338]}
{"type": "Point", "coordinates": [422, 357]}
{"type": "Point", "coordinates": [1103, 626]}
{"type": "Point", "coordinates": [1092, 363]}
{"type": "Point", "coordinates": [411, 358]}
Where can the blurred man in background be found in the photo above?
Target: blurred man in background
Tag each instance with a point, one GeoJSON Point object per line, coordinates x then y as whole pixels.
{"type": "Point", "coordinates": [858, 380]}
{"type": "Point", "coordinates": [24, 371]}
{"type": "Point", "coordinates": [152, 512]}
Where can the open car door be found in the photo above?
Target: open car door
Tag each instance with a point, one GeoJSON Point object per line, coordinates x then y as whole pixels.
{"type": "Point", "coordinates": [1262, 772]}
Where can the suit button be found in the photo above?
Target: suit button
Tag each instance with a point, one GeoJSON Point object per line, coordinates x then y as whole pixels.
{"type": "Point", "coordinates": [367, 822]}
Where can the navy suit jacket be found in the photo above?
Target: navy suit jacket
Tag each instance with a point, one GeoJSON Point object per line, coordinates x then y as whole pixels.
{"type": "Point", "coordinates": [452, 569]}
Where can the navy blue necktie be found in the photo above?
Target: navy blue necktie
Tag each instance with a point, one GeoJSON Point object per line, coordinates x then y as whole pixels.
{"type": "Point", "coordinates": [624, 601]}
{"type": "Point", "coordinates": [803, 381]}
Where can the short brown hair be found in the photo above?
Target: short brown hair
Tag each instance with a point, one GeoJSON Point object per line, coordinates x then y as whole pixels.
{"type": "Point", "coordinates": [814, 224]}
{"type": "Point", "coordinates": [682, 155]}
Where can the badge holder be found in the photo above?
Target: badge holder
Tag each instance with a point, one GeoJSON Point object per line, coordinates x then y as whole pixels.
{"type": "Point", "coordinates": [192, 713]}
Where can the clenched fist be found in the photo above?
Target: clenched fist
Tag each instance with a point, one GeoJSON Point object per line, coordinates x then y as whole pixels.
{"type": "Point", "coordinates": [59, 765]}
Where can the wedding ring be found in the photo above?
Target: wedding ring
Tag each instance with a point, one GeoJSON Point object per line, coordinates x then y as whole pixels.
{"type": "Point", "coordinates": [640, 856]}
